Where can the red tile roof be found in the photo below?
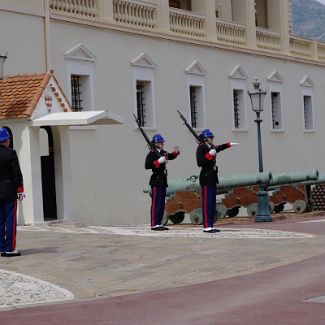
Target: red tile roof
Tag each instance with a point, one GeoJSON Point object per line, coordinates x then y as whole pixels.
{"type": "Point", "coordinates": [20, 94]}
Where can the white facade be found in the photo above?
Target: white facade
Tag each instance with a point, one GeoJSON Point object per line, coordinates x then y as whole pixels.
{"type": "Point", "coordinates": [108, 178]}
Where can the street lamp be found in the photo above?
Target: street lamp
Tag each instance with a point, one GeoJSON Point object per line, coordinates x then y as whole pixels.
{"type": "Point", "coordinates": [2, 61]}
{"type": "Point", "coordinates": [257, 100]}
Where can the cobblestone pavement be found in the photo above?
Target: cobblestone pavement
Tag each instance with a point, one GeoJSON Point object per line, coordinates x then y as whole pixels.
{"type": "Point", "coordinates": [113, 261]}
{"type": "Point", "coordinates": [18, 289]}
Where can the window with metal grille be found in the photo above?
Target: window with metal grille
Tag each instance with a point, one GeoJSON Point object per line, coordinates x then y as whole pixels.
{"type": "Point", "coordinates": [276, 110]}
{"type": "Point", "coordinates": [76, 93]}
{"type": "Point", "coordinates": [144, 102]}
{"type": "Point", "coordinates": [236, 99]}
{"type": "Point", "coordinates": [194, 103]}
{"type": "Point", "coordinates": [308, 113]}
{"type": "Point", "coordinates": [141, 102]}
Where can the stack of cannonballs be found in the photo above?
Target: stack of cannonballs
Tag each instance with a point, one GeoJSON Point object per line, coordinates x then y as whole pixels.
{"type": "Point", "coordinates": [318, 195]}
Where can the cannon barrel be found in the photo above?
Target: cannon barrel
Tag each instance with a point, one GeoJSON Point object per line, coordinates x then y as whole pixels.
{"type": "Point", "coordinates": [229, 182]}
{"type": "Point", "coordinates": [272, 181]}
{"type": "Point", "coordinates": [320, 180]}
{"type": "Point", "coordinates": [295, 177]}
{"type": "Point", "coordinates": [191, 184]}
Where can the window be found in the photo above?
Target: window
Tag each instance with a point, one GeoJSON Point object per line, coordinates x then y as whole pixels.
{"type": "Point", "coordinates": [239, 112]}
{"type": "Point", "coordinates": [76, 94]}
{"type": "Point", "coordinates": [196, 106]}
{"type": "Point", "coordinates": [308, 112]}
{"type": "Point", "coordinates": [144, 101]}
{"type": "Point", "coordinates": [276, 110]}
{"type": "Point", "coordinates": [80, 67]}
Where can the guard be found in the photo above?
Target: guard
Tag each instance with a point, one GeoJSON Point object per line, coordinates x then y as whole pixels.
{"type": "Point", "coordinates": [156, 160]}
{"type": "Point", "coordinates": [206, 159]}
{"type": "Point", "coordinates": [11, 188]}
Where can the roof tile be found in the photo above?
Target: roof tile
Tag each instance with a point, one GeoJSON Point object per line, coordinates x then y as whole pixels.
{"type": "Point", "coordinates": [20, 94]}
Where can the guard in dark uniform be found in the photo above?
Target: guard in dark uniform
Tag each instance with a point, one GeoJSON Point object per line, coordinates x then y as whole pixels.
{"type": "Point", "coordinates": [11, 188]}
{"type": "Point", "coordinates": [156, 160]}
{"type": "Point", "coordinates": [206, 159]}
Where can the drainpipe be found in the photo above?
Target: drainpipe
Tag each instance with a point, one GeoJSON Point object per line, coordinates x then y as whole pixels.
{"type": "Point", "coordinates": [47, 19]}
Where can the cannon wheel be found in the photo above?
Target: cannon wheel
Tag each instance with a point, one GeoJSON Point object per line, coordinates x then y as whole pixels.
{"type": "Point", "coordinates": [196, 216]}
{"type": "Point", "coordinates": [177, 218]}
{"type": "Point", "coordinates": [165, 219]}
{"type": "Point", "coordinates": [233, 212]}
{"type": "Point", "coordinates": [279, 208]}
{"type": "Point", "coordinates": [299, 206]}
{"type": "Point", "coordinates": [271, 207]}
{"type": "Point", "coordinates": [252, 209]}
{"type": "Point", "coordinates": [221, 212]}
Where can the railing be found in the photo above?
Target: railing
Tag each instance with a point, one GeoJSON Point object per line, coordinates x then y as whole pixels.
{"type": "Point", "coordinates": [268, 40]}
{"type": "Point", "coordinates": [300, 47]}
{"type": "Point", "coordinates": [187, 23]}
{"type": "Point", "coordinates": [231, 33]}
{"type": "Point", "coordinates": [321, 51]}
{"type": "Point", "coordinates": [76, 8]}
{"type": "Point", "coordinates": [135, 13]}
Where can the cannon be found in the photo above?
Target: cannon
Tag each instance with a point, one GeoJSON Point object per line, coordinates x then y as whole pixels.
{"type": "Point", "coordinates": [183, 195]}
{"type": "Point", "coordinates": [296, 194]}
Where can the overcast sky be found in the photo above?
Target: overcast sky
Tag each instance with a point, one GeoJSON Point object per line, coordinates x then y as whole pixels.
{"type": "Point", "coordinates": [321, 1]}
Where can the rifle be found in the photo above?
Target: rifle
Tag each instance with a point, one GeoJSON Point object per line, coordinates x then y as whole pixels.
{"type": "Point", "coordinates": [196, 136]}
{"type": "Point", "coordinates": [149, 143]}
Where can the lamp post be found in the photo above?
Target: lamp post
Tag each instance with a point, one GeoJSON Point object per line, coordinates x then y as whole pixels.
{"type": "Point", "coordinates": [257, 99]}
{"type": "Point", "coordinates": [2, 61]}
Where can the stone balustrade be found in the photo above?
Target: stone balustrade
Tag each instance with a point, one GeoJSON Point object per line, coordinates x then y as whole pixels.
{"type": "Point", "coordinates": [135, 13]}
{"type": "Point", "coordinates": [187, 23]}
{"type": "Point", "coordinates": [76, 8]}
{"type": "Point", "coordinates": [268, 40]}
{"type": "Point", "coordinates": [301, 47]}
{"type": "Point", "coordinates": [231, 33]}
{"type": "Point", "coordinates": [143, 15]}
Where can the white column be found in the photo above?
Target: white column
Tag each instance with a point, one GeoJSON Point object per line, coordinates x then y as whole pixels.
{"type": "Point", "coordinates": [210, 12]}
{"type": "Point", "coordinates": [284, 26]}
{"type": "Point", "coordinates": [250, 22]}
{"type": "Point", "coordinates": [30, 211]}
{"type": "Point", "coordinates": [67, 206]}
{"type": "Point", "coordinates": [163, 23]}
{"type": "Point", "coordinates": [105, 10]}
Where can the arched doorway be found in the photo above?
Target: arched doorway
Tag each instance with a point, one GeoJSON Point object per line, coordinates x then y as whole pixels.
{"type": "Point", "coordinates": [48, 173]}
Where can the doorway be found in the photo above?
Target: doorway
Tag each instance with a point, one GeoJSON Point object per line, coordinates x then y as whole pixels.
{"type": "Point", "coordinates": [48, 173]}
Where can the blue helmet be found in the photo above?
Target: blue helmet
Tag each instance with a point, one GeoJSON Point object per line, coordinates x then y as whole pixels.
{"type": "Point", "coordinates": [4, 134]}
{"type": "Point", "coordinates": [158, 138]}
{"type": "Point", "coordinates": [207, 134]}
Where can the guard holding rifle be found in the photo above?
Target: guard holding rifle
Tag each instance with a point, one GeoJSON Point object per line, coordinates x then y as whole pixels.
{"type": "Point", "coordinates": [156, 160]}
{"type": "Point", "coordinates": [206, 159]}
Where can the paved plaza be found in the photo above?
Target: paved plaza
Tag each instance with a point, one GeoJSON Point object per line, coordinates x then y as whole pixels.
{"type": "Point", "coordinates": [70, 273]}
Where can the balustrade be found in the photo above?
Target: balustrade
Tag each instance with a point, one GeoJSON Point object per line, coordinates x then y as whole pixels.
{"type": "Point", "coordinates": [231, 33]}
{"type": "Point", "coordinates": [135, 13]}
{"type": "Point", "coordinates": [187, 23]}
{"type": "Point", "coordinates": [300, 47]}
{"type": "Point", "coordinates": [76, 8]}
{"type": "Point", "coordinates": [268, 40]}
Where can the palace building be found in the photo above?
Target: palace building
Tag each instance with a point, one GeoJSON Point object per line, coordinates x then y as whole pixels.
{"type": "Point", "coordinates": [110, 59]}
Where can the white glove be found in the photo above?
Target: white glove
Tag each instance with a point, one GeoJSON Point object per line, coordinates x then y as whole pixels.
{"type": "Point", "coordinates": [234, 144]}
{"type": "Point", "coordinates": [212, 152]}
{"type": "Point", "coordinates": [21, 196]}
{"type": "Point", "coordinates": [162, 159]}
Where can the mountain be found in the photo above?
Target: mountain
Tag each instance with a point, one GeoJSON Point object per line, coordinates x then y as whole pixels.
{"type": "Point", "coordinates": [308, 19]}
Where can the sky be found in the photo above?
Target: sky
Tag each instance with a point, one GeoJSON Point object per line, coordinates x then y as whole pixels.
{"type": "Point", "coordinates": [321, 1]}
